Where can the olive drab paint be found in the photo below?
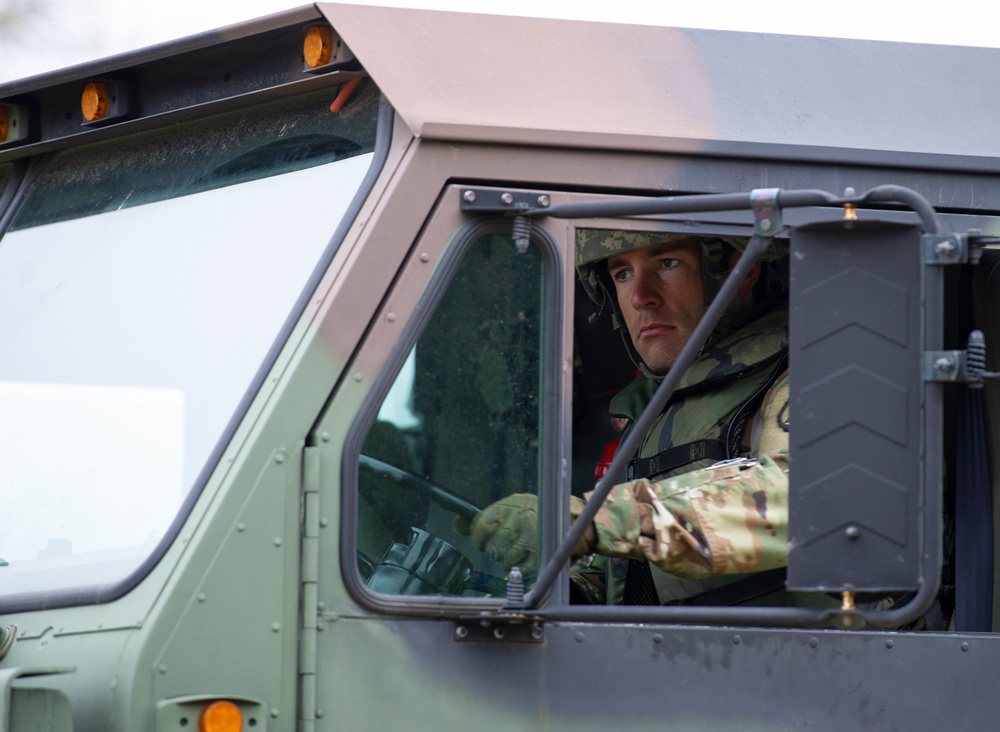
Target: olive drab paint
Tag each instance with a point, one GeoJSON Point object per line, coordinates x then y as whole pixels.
{"type": "Point", "coordinates": [280, 321]}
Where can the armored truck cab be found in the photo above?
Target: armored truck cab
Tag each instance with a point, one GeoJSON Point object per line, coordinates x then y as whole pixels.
{"type": "Point", "coordinates": [284, 305]}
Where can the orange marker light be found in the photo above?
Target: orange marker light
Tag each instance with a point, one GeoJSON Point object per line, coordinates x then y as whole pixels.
{"type": "Point", "coordinates": [318, 46]}
{"type": "Point", "coordinates": [4, 124]}
{"type": "Point", "coordinates": [220, 716]}
{"type": "Point", "coordinates": [94, 101]}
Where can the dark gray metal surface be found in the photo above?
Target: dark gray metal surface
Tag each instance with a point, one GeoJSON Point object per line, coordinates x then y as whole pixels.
{"type": "Point", "coordinates": [855, 351]}
{"type": "Point", "coordinates": [656, 677]}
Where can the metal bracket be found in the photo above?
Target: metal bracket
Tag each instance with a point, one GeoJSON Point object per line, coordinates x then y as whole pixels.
{"type": "Point", "coordinates": [967, 367]}
{"type": "Point", "coordinates": [967, 248]}
{"type": "Point", "coordinates": [943, 366]}
{"type": "Point", "coordinates": [510, 628]}
{"type": "Point", "coordinates": [480, 200]}
{"type": "Point", "coordinates": [766, 214]}
{"type": "Point", "coordinates": [941, 249]}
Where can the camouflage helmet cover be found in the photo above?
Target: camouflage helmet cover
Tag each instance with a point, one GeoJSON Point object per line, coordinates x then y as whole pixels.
{"type": "Point", "coordinates": [596, 245]}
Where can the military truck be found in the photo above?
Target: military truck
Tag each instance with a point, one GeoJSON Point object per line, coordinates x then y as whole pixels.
{"type": "Point", "coordinates": [285, 303]}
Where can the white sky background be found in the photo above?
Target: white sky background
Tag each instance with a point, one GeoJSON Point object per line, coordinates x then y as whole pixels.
{"type": "Point", "coordinates": [72, 31]}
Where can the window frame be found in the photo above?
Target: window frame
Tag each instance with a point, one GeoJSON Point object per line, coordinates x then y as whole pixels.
{"type": "Point", "coordinates": [553, 405]}
{"type": "Point", "coordinates": [20, 186]}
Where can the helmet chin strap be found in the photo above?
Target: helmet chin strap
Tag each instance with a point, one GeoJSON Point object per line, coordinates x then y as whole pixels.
{"type": "Point", "coordinates": [618, 323]}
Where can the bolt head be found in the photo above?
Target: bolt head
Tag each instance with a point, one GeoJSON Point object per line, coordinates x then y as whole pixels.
{"type": "Point", "coordinates": [507, 198]}
{"type": "Point", "coordinates": [944, 364]}
{"type": "Point", "coordinates": [469, 196]}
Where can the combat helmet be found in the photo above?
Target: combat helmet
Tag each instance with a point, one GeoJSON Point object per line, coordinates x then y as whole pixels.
{"type": "Point", "coordinates": [595, 246]}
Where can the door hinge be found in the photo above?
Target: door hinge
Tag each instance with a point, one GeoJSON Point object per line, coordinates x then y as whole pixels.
{"type": "Point", "coordinates": [309, 580]}
{"type": "Point", "coordinates": [503, 628]}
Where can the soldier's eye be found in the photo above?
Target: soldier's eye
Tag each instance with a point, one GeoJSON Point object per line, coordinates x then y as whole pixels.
{"type": "Point", "coordinates": [622, 275]}
{"type": "Point", "coordinates": [669, 263]}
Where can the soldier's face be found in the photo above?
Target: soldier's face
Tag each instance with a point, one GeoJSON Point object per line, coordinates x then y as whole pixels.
{"type": "Point", "coordinates": [661, 296]}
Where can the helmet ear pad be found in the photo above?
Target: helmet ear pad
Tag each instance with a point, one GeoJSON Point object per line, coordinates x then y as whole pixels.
{"type": "Point", "coordinates": [715, 257]}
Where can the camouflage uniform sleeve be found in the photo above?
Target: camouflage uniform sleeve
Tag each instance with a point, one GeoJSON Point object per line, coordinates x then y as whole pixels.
{"type": "Point", "coordinates": [731, 519]}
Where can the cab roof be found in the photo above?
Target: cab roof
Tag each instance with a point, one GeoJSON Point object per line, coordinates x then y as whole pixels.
{"type": "Point", "coordinates": [540, 81]}
{"type": "Point", "coordinates": [511, 80]}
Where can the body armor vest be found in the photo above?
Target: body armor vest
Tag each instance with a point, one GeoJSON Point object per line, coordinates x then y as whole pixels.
{"type": "Point", "coordinates": [704, 422]}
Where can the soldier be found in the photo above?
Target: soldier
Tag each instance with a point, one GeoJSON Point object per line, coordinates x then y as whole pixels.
{"type": "Point", "coordinates": [714, 532]}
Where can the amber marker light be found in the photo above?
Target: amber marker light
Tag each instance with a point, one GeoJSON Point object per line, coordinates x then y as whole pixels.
{"type": "Point", "coordinates": [94, 101]}
{"type": "Point", "coordinates": [220, 716]}
{"type": "Point", "coordinates": [4, 124]}
{"type": "Point", "coordinates": [318, 46]}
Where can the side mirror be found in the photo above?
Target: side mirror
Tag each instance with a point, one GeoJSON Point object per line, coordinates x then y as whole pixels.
{"type": "Point", "coordinates": [865, 447]}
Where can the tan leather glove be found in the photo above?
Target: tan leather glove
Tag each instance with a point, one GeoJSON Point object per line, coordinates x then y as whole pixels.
{"type": "Point", "coordinates": [507, 531]}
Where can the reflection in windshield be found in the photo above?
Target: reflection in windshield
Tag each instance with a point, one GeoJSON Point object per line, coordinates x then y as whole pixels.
{"type": "Point", "coordinates": [138, 299]}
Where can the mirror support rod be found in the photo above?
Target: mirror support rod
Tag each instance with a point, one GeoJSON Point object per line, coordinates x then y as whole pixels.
{"type": "Point", "coordinates": [743, 201]}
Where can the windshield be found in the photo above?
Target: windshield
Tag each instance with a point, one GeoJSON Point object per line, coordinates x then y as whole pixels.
{"type": "Point", "coordinates": [142, 286]}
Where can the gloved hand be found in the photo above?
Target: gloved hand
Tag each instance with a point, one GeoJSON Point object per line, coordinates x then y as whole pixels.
{"type": "Point", "coordinates": [507, 531]}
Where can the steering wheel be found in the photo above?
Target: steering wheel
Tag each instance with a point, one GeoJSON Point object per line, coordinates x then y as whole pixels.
{"type": "Point", "coordinates": [425, 564]}
{"type": "Point", "coordinates": [441, 496]}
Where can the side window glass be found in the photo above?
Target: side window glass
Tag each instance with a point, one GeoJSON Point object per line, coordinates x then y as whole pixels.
{"type": "Point", "coordinates": [459, 429]}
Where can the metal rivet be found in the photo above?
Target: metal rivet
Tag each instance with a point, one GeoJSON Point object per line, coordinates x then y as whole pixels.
{"type": "Point", "coordinates": [278, 541]}
{"type": "Point", "coordinates": [469, 196]}
{"type": "Point", "coordinates": [536, 632]}
{"type": "Point", "coordinates": [357, 376]}
{"type": "Point", "coordinates": [391, 317]}
{"type": "Point", "coordinates": [579, 636]}
{"type": "Point", "coordinates": [813, 642]}
{"type": "Point", "coordinates": [325, 437]}
{"type": "Point", "coordinates": [324, 521]}
{"type": "Point", "coordinates": [275, 627]}
{"type": "Point", "coordinates": [657, 638]}
{"type": "Point", "coordinates": [507, 198]}
{"type": "Point", "coordinates": [461, 632]}
{"type": "Point", "coordinates": [319, 714]}
{"type": "Point", "coordinates": [889, 644]}
{"type": "Point", "coordinates": [543, 201]}
{"type": "Point", "coordinates": [162, 668]}
{"type": "Point", "coordinates": [965, 646]}
{"type": "Point", "coordinates": [852, 532]}
{"type": "Point", "coordinates": [737, 640]}
{"type": "Point", "coordinates": [202, 597]}
{"type": "Point", "coordinates": [279, 458]}
{"type": "Point", "coordinates": [241, 526]}
{"type": "Point", "coordinates": [275, 712]}
{"type": "Point", "coordinates": [425, 257]}
{"type": "Point", "coordinates": [499, 633]}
